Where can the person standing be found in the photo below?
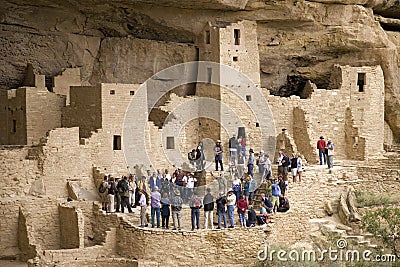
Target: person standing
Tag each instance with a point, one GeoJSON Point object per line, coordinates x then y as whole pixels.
{"type": "Point", "coordinates": [165, 212]}
{"type": "Point", "coordinates": [176, 206]}
{"type": "Point", "coordinates": [321, 146]}
{"type": "Point", "coordinates": [195, 205]}
{"type": "Point", "coordinates": [208, 209]}
{"type": "Point", "coordinates": [233, 146]}
{"type": "Point", "coordinates": [240, 164]}
{"type": "Point", "coordinates": [285, 166]}
{"type": "Point", "coordinates": [155, 197]}
{"type": "Point", "coordinates": [261, 162]}
{"type": "Point", "coordinates": [221, 209]}
{"type": "Point", "coordinates": [237, 186]}
{"type": "Point", "coordinates": [267, 168]}
{"type": "Point", "coordinates": [124, 193]}
{"type": "Point", "coordinates": [250, 163]}
{"type": "Point", "coordinates": [222, 184]}
{"type": "Point", "coordinates": [117, 192]}
{"type": "Point", "coordinates": [293, 167]}
{"type": "Point", "coordinates": [331, 151]}
{"type": "Point", "coordinates": [143, 207]}
{"type": "Point", "coordinates": [218, 150]}
{"type": "Point", "coordinates": [190, 185]}
{"type": "Point", "coordinates": [132, 189]}
{"type": "Point", "coordinates": [111, 192]}
{"type": "Point", "coordinates": [202, 158]}
{"type": "Point", "coordinates": [299, 166]}
{"type": "Point", "coordinates": [103, 191]}
{"type": "Point", "coordinates": [231, 201]}
{"type": "Point", "coordinates": [276, 193]}
{"type": "Point", "coordinates": [242, 206]}
{"type": "Point", "coordinates": [252, 189]}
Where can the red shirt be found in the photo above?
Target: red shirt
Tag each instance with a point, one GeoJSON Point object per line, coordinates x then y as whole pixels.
{"type": "Point", "coordinates": [242, 205]}
{"type": "Point", "coordinates": [321, 144]}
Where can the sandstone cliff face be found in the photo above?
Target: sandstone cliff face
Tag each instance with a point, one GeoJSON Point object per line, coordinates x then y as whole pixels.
{"type": "Point", "coordinates": [298, 40]}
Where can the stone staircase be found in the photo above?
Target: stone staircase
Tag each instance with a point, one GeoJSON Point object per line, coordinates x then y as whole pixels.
{"type": "Point", "coordinates": [307, 218]}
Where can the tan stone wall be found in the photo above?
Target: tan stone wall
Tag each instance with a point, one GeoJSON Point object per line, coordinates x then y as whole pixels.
{"type": "Point", "coordinates": [71, 227]}
{"type": "Point", "coordinates": [84, 100]}
{"type": "Point", "coordinates": [18, 172]}
{"type": "Point", "coordinates": [190, 248]}
{"type": "Point", "coordinates": [13, 107]}
{"type": "Point", "coordinates": [69, 77]}
{"type": "Point", "coordinates": [43, 113]}
{"type": "Point", "coordinates": [41, 218]}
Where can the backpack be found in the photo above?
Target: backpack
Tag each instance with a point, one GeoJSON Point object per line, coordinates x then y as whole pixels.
{"type": "Point", "coordinates": [102, 188]}
{"type": "Point", "coordinates": [122, 186]}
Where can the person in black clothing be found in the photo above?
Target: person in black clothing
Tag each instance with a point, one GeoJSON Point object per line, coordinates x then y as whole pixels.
{"type": "Point", "coordinates": [208, 209]}
{"type": "Point", "coordinates": [251, 218]}
{"type": "Point", "coordinates": [293, 167]}
{"type": "Point", "coordinates": [165, 211]}
{"type": "Point", "coordinates": [221, 209]}
{"type": "Point", "coordinates": [284, 205]}
{"type": "Point", "coordinates": [285, 165]}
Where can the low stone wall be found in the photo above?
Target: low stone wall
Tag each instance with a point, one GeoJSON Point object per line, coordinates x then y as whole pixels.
{"type": "Point", "coordinates": [204, 247]}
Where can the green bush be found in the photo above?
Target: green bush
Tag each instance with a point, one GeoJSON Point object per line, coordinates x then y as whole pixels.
{"type": "Point", "coordinates": [365, 199]}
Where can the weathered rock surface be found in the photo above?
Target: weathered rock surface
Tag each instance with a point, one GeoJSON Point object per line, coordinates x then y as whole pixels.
{"type": "Point", "coordinates": [298, 40]}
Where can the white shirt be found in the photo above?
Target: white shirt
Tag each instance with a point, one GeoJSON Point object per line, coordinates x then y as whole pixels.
{"type": "Point", "coordinates": [231, 200]}
{"type": "Point", "coordinates": [168, 177]}
{"type": "Point", "coordinates": [190, 182]}
{"type": "Point", "coordinates": [142, 200]}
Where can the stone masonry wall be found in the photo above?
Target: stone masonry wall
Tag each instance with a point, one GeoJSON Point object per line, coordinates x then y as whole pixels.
{"type": "Point", "coordinates": [71, 227]}
{"type": "Point", "coordinates": [18, 172]}
{"type": "Point", "coordinates": [13, 108]}
{"type": "Point", "coordinates": [43, 113]}
{"type": "Point", "coordinates": [69, 77]}
{"type": "Point", "coordinates": [190, 248]}
{"type": "Point", "coordinates": [41, 217]}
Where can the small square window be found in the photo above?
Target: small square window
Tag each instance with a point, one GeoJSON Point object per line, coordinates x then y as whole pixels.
{"type": "Point", "coordinates": [112, 92]}
{"type": "Point", "coordinates": [257, 124]}
{"type": "Point", "coordinates": [132, 92]}
{"type": "Point", "coordinates": [235, 59]}
{"type": "Point", "coordinates": [170, 142]}
{"type": "Point", "coordinates": [248, 97]}
{"type": "Point", "coordinates": [117, 142]}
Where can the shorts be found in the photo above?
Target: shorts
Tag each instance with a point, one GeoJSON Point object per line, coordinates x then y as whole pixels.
{"type": "Point", "coordinates": [275, 201]}
{"type": "Point", "coordinates": [299, 169]}
{"type": "Point", "coordinates": [294, 172]}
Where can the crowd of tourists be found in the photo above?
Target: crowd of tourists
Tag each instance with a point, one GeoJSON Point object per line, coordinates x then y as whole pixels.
{"type": "Point", "coordinates": [166, 193]}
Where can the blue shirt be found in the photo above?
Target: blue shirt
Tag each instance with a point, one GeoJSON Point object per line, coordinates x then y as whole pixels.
{"type": "Point", "coordinates": [276, 190]}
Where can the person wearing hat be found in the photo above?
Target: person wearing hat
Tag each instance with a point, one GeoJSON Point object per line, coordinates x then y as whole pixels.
{"type": "Point", "coordinates": [250, 163]}
{"type": "Point", "coordinates": [218, 150]}
{"type": "Point", "coordinates": [331, 147]}
{"type": "Point", "coordinates": [176, 206]}
{"type": "Point", "coordinates": [321, 146]}
{"type": "Point", "coordinates": [155, 197]}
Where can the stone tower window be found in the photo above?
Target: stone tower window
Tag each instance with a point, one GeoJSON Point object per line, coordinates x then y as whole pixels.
{"type": "Point", "coordinates": [132, 92]}
{"type": "Point", "coordinates": [117, 142]}
{"type": "Point", "coordinates": [235, 59]}
{"type": "Point", "coordinates": [14, 126]}
{"type": "Point", "coordinates": [248, 97]}
{"type": "Point", "coordinates": [112, 92]}
{"type": "Point", "coordinates": [208, 37]}
{"type": "Point", "coordinates": [257, 124]}
{"type": "Point", "coordinates": [170, 142]}
{"type": "Point", "coordinates": [361, 82]}
{"type": "Point", "coordinates": [236, 36]}
{"type": "Point", "coordinates": [209, 75]}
